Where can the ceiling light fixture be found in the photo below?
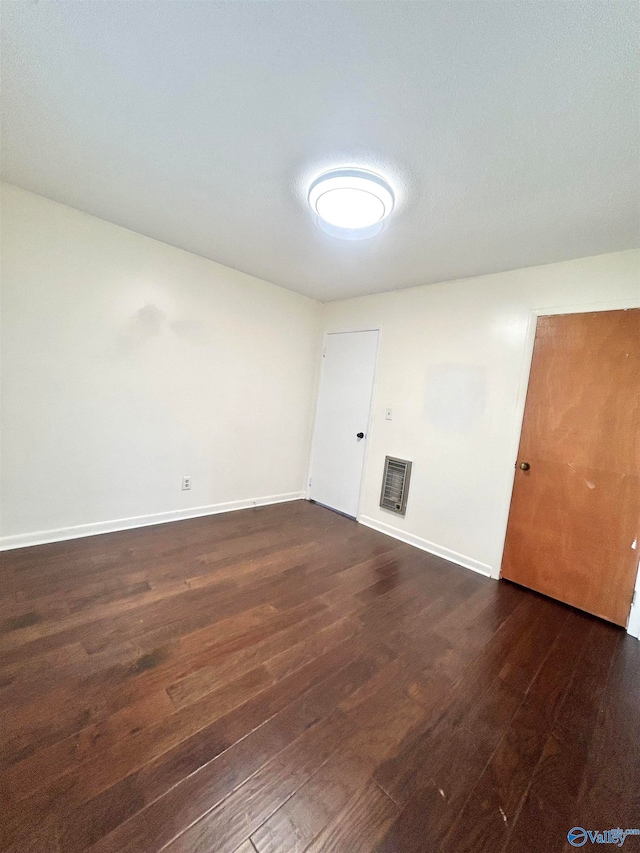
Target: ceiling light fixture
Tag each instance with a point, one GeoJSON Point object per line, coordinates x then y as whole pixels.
{"type": "Point", "coordinates": [351, 198]}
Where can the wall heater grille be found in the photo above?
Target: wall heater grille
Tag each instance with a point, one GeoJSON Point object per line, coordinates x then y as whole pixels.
{"type": "Point", "coordinates": [395, 484]}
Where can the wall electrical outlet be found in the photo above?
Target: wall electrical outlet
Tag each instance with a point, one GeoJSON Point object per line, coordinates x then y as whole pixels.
{"type": "Point", "coordinates": [186, 483]}
{"type": "Point", "coordinates": [388, 414]}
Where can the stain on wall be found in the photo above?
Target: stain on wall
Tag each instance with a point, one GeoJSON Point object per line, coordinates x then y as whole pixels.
{"type": "Point", "coordinates": [455, 396]}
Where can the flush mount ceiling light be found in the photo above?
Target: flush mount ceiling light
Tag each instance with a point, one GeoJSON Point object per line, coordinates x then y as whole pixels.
{"type": "Point", "coordinates": [351, 198]}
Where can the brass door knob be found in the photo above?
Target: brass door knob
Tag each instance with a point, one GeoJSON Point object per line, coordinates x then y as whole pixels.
{"type": "Point", "coordinates": [524, 466]}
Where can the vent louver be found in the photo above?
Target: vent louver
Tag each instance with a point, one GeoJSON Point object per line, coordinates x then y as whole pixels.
{"type": "Point", "coordinates": [395, 484]}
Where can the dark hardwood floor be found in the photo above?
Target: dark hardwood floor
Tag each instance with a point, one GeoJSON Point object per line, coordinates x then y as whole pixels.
{"type": "Point", "coordinates": [284, 679]}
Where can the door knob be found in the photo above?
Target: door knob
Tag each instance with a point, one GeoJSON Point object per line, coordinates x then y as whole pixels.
{"type": "Point", "coordinates": [360, 435]}
{"type": "Point", "coordinates": [524, 466]}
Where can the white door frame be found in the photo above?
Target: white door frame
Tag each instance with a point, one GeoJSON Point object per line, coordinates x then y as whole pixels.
{"type": "Point", "coordinates": [365, 462]}
{"type": "Point", "coordinates": [633, 624]}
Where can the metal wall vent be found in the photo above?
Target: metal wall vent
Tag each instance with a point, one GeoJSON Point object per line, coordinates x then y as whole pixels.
{"type": "Point", "coordinates": [395, 484]}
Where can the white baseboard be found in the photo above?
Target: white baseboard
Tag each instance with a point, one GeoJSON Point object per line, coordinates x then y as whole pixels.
{"type": "Point", "coordinates": [425, 545]}
{"type": "Point", "coordinates": [42, 537]}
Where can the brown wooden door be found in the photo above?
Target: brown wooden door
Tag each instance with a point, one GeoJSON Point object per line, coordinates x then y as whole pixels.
{"type": "Point", "coordinates": [574, 523]}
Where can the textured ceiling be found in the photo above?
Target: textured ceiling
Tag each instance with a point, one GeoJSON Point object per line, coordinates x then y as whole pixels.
{"type": "Point", "coordinates": [509, 130]}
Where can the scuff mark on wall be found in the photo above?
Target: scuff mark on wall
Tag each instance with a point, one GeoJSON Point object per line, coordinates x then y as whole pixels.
{"type": "Point", "coordinates": [144, 325]}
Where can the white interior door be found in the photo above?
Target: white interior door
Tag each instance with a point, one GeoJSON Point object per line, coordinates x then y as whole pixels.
{"type": "Point", "coordinates": [342, 419]}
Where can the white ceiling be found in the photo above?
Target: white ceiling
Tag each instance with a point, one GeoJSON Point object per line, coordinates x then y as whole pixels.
{"type": "Point", "coordinates": [509, 130]}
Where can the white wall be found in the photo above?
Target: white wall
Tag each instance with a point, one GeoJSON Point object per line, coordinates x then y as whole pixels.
{"type": "Point", "coordinates": [127, 364]}
{"type": "Point", "coordinates": [453, 367]}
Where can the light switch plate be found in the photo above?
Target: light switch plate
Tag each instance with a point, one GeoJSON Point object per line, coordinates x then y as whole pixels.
{"type": "Point", "coordinates": [388, 414]}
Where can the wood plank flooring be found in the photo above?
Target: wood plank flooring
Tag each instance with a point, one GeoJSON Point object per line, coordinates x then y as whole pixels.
{"type": "Point", "coordinates": [283, 679]}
